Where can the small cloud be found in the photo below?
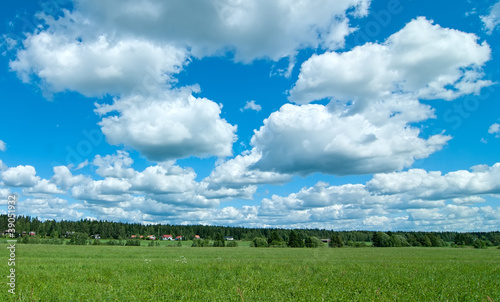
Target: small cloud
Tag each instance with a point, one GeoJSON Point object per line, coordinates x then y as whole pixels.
{"type": "Point", "coordinates": [495, 129]}
{"type": "Point", "coordinates": [251, 105]}
{"type": "Point", "coordinates": [3, 147]}
{"type": "Point", "coordinates": [82, 165]}
{"type": "Point", "coordinates": [484, 141]}
{"type": "Point", "coordinates": [492, 20]}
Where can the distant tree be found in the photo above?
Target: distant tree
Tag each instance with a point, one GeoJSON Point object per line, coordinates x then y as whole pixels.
{"type": "Point", "coordinates": [464, 239]}
{"type": "Point", "coordinates": [259, 242]}
{"type": "Point", "coordinates": [398, 241]}
{"type": "Point", "coordinates": [54, 234]}
{"type": "Point", "coordinates": [479, 244]}
{"type": "Point", "coordinates": [381, 239]}
{"type": "Point", "coordinates": [133, 242]}
{"type": "Point", "coordinates": [232, 243]}
{"type": "Point", "coordinates": [294, 240]}
{"type": "Point", "coordinates": [219, 240]}
{"type": "Point", "coordinates": [78, 238]}
{"type": "Point", "coordinates": [308, 242]}
{"type": "Point", "coordinates": [335, 240]}
{"type": "Point", "coordinates": [313, 242]}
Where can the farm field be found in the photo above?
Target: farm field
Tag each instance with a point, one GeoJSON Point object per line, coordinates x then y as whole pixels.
{"type": "Point", "coordinates": [118, 273]}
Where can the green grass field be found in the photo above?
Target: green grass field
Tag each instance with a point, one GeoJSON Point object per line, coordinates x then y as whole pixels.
{"type": "Point", "coordinates": [118, 273]}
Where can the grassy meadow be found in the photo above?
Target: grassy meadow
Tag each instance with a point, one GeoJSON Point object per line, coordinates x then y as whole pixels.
{"type": "Point", "coordinates": [123, 273]}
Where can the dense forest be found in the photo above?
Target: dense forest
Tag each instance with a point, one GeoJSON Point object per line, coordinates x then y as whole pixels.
{"type": "Point", "coordinates": [120, 230]}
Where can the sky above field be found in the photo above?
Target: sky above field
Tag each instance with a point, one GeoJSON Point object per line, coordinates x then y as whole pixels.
{"type": "Point", "coordinates": [345, 115]}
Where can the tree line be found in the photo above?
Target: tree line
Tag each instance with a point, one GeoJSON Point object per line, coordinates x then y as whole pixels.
{"type": "Point", "coordinates": [275, 237]}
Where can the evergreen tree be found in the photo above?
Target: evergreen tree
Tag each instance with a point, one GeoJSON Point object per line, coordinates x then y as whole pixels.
{"type": "Point", "coordinates": [335, 241]}
{"type": "Point", "coordinates": [294, 240]}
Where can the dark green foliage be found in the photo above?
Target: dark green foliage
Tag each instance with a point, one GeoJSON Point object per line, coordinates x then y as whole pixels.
{"type": "Point", "coordinates": [78, 238]}
{"type": "Point", "coordinates": [96, 242]}
{"type": "Point", "coordinates": [219, 240]}
{"type": "Point", "coordinates": [479, 244]}
{"type": "Point", "coordinates": [54, 234]}
{"type": "Point", "coordinates": [52, 241]}
{"type": "Point", "coordinates": [259, 242]}
{"type": "Point", "coordinates": [313, 242]}
{"type": "Point", "coordinates": [294, 240]}
{"type": "Point", "coordinates": [133, 242]}
{"type": "Point", "coordinates": [351, 243]}
{"type": "Point", "coordinates": [464, 239]}
{"type": "Point", "coordinates": [335, 241]}
{"type": "Point", "coordinates": [201, 243]}
{"type": "Point", "coordinates": [154, 243]}
{"type": "Point", "coordinates": [232, 244]}
{"type": "Point", "coordinates": [29, 239]}
{"type": "Point", "coordinates": [115, 242]}
{"type": "Point", "coordinates": [275, 240]}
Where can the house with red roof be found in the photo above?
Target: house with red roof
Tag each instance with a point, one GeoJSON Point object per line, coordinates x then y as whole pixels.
{"type": "Point", "coordinates": [167, 237]}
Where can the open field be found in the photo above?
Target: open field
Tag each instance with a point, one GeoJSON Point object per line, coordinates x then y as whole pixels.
{"type": "Point", "coordinates": [117, 273]}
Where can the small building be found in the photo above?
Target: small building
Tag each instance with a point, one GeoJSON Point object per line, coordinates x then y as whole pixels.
{"type": "Point", "coordinates": [133, 236]}
{"type": "Point", "coordinates": [228, 238]}
{"type": "Point", "coordinates": [167, 237]}
{"type": "Point", "coordinates": [178, 238]}
{"type": "Point", "coordinates": [32, 233]}
{"type": "Point", "coordinates": [196, 237]}
{"type": "Point", "coordinates": [151, 237]}
{"type": "Point", "coordinates": [325, 240]}
{"type": "Point", "coordinates": [97, 236]}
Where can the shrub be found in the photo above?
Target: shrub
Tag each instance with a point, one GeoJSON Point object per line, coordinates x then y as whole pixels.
{"type": "Point", "coordinates": [133, 242]}
{"type": "Point", "coordinates": [479, 244]}
{"type": "Point", "coordinates": [29, 240]}
{"type": "Point", "coordinates": [201, 243]}
{"type": "Point", "coordinates": [336, 241]}
{"type": "Point", "coordinates": [232, 244]}
{"type": "Point", "coordinates": [52, 241]}
{"type": "Point", "coordinates": [96, 242]}
{"type": "Point", "coordinates": [259, 242]}
{"type": "Point", "coordinates": [154, 243]}
{"type": "Point", "coordinates": [78, 239]}
{"type": "Point", "coordinates": [313, 242]}
{"type": "Point", "coordinates": [115, 242]}
{"type": "Point", "coordinates": [277, 243]}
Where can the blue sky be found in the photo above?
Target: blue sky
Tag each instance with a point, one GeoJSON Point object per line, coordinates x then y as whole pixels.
{"type": "Point", "coordinates": [345, 115]}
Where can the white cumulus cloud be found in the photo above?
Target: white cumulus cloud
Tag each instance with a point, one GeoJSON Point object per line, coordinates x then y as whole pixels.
{"type": "Point", "coordinates": [20, 176]}
{"type": "Point", "coordinates": [173, 125]}
{"type": "Point", "coordinates": [310, 138]}
{"type": "Point", "coordinates": [424, 60]}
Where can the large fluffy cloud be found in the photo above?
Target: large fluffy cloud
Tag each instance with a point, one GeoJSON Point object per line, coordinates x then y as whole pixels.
{"type": "Point", "coordinates": [97, 67]}
{"type": "Point", "coordinates": [374, 92]}
{"type": "Point", "coordinates": [172, 125]}
{"type": "Point", "coordinates": [20, 176]}
{"type": "Point", "coordinates": [82, 50]}
{"type": "Point", "coordinates": [311, 138]}
{"type": "Point", "coordinates": [424, 60]}
{"type": "Point", "coordinates": [256, 29]}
